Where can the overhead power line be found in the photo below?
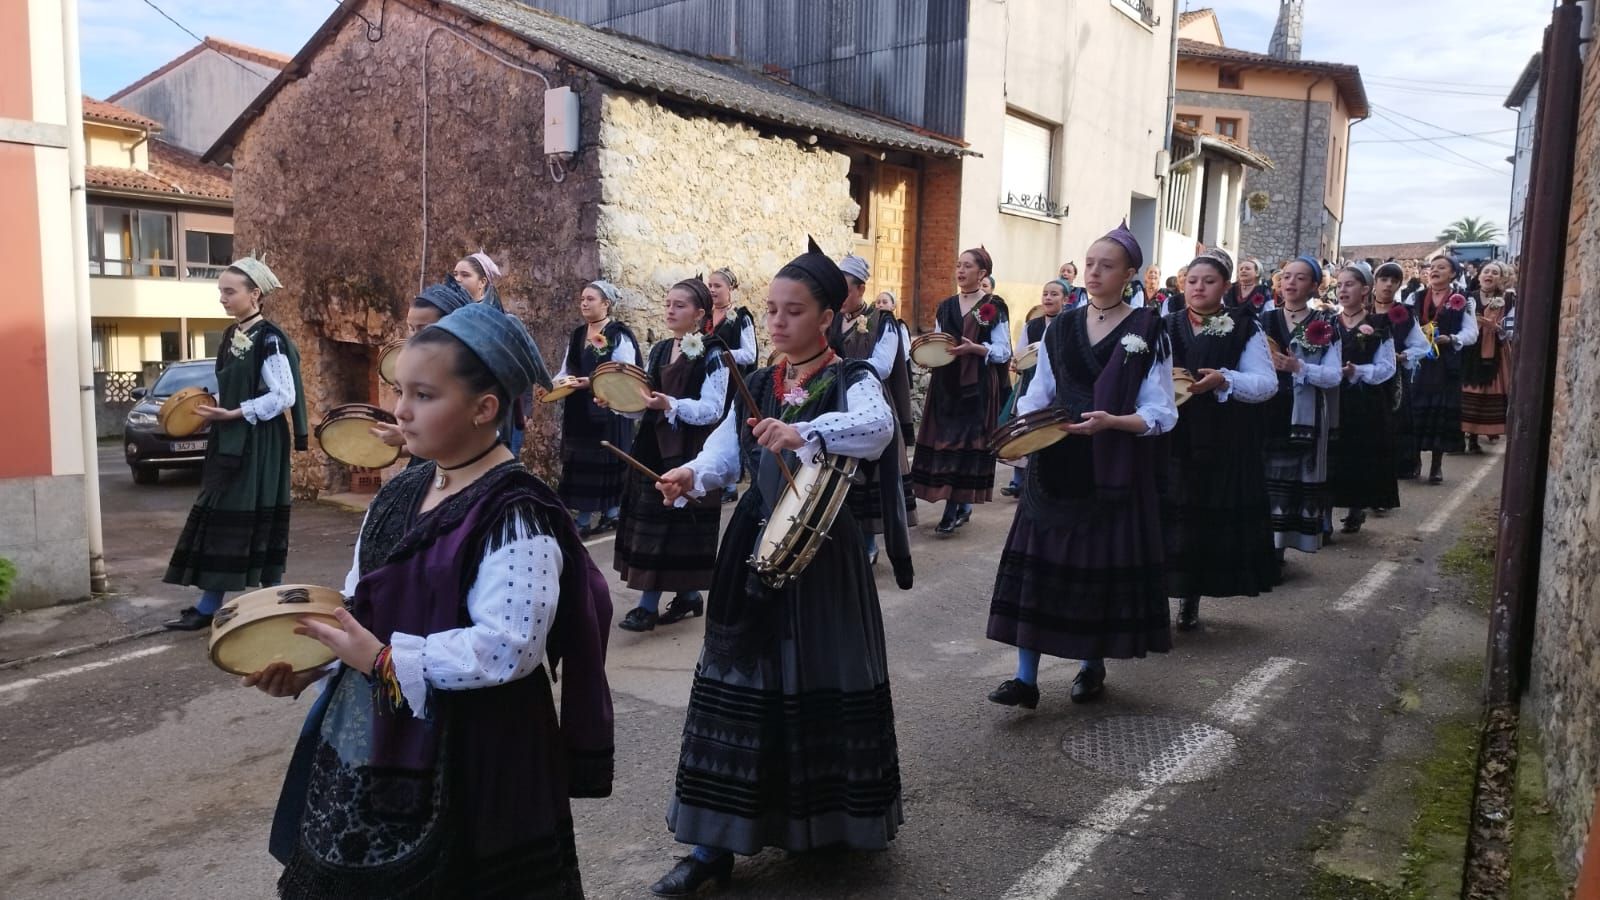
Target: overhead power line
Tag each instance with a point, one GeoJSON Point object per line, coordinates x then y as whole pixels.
{"type": "Point", "coordinates": [1445, 137]}
{"type": "Point", "coordinates": [202, 40]}
{"type": "Point", "coordinates": [1435, 142]}
{"type": "Point", "coordinates": [1449, 131]}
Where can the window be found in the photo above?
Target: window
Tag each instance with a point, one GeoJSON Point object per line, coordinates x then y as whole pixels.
{"type": "Point", "coordinates": [1230, 78]}
{"type": "Point", "coordinates": [171, 347]}
{"type": "Point", "coordinates": [1228, 128]}
{"type": "Point", "coordinates": [101, 337]}
{"type": "Point", "coordinates": [1191, 121]}
{"type": "Point", "coordinates": [136, 243]}
{"type": "Point", "coordinates": [206, 254]}
{"type": "Point", "coordinates": [1027, 162]}
{"type": "Point", "coordinates": [1143, 10]}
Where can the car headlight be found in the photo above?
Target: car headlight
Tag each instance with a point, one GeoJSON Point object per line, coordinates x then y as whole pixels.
{"type": "Point", "coordinates": [142, 419]}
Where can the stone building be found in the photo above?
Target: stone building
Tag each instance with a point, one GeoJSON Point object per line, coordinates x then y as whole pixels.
{"type": "Point", "coordinates": [1296, 112]}
{"type": "Point", "coordinates": [379, 158]}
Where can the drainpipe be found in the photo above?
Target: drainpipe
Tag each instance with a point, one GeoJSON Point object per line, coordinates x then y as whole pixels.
{"type": "Point", "coordinates": [1305, 151]}
{"type": "Point", "coordinates": [80, 296]}
{"type": "Point", "coordinates": [1164, 167]}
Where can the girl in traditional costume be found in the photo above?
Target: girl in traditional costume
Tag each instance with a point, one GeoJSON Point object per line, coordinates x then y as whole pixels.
{"type": "Point", "coordinates": [789, 740]}
{"type": "Point", "coordinates": [591, 478]}
{"type": "Point", "coordinates": [1486, 371]}
{"type": "Point", "coordinates": [431, 304]}
{"type": "Point", "coordinates": [237, 534]}
{"type": "Point", "coordinates": [1449, 323]}
{"type": "Point", "coordinates": [661, 547]}
{"type": "Point", "coordinates": [1215, 512]}
{"type": "Point", "coordinates": [433, 764]}
{"type": "Point", "coordinates": [1358, 477]}
{"type": "Point", "coordinates": [735, 328]}
{"type": "Point", "coordinates": [1410, 347]}
{"type": "Point", "coordinates": [1081, 573]}
{"type": "Point", "coordinates": [1249, 289]}
{"type": "Point", "coordinates": [1052, 301]}
{"type": "Point", "coordinates": [953, 461]}
{"type": "Point", "coordinates": [1301, 415]}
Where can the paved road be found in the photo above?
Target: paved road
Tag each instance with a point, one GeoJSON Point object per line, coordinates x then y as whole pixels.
{"type": "Point", "coordinates": [140, 771]}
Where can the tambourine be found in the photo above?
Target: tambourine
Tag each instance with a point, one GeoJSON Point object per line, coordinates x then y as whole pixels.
{"type": "Point", "coordinates": [255, 630]}
{"type": "Point", "coordinates": [1030, 432]}
{"type": "Point", "coordinates": [1182, 381]}
{"type": "Point", "coordinates": [563, 388]}
{"type": "Point", "coordinates": [933, 350]}
{"type": "Point", "coordinates": [388, 358]}
{"type": "Point", "coordinates": [1027, 358]}
{"type": "Point", "coordinates": [345, 434]}
{"type": "Point", "coordinates": [179, 414]}
{"type": "Point", "coordinates": [624, 388]}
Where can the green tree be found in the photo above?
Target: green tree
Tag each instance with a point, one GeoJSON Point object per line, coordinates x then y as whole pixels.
{"type": "Point", "coordinates": [1470, 229]}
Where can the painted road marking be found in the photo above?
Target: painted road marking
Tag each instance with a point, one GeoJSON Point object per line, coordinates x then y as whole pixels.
{"type": "Point", "coordinates": [1370, 584]}
{"type": "Point", "coordinates": [1443, 513]}
{"type": "Point", "coordinates": [86, 667]}
{"type": "Point", "coordinates": [600, 540]}
{"type": "Point", "coordinates": [1058, 867]}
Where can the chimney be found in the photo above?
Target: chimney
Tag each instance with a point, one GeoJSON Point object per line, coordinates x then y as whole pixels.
{"type": "Point", "coordinates": [1286, 35]}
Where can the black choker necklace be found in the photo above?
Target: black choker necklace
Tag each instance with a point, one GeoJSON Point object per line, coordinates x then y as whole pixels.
{"type": "Point", "coordinates": [1103, 309]}
{"type": "Point", "coordinates": [810, 358]}
{"type": "Point", "coordinates": [442, 480]}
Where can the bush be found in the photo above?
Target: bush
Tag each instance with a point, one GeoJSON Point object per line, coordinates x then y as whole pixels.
{"type": "Point", "coordinates": [8, 577]}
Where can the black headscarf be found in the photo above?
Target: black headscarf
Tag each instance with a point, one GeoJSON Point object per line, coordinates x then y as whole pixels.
{"type": "Point", "coordinates": [820, 273]}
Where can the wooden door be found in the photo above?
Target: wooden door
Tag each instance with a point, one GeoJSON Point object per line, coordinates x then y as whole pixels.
{"type": "Point", "coordinates": [894, 233]}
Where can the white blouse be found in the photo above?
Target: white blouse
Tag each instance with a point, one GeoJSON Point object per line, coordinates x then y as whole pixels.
{"type": "Point", "coordinates": [999, 342]}
{"type": "Point", "coordinates": [1380, 370]}
{"type": "Point", "coordinates": [279, 378]}
{"type": "Point", "coordinates": [623, 352]}
{"type": "Point", "coordinates": [884, 351]}
{"type": "Point", "coordinates": [702, 410]}
{"type": "Point", "coordinates": [1255, 381]}
{"type": "Point", "coordinates": [745, 353]}
{"type": "Point", "coordinates": [512, 604]}
{"type": "Point", "coordinates": [1156, 404]}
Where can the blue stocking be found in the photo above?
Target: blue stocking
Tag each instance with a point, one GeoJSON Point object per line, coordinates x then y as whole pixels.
{"type": "Point", "coordinates": [709, 854]}
{"type": "Point", "coordinates": [650, 601]}
{"type": "Point", "coordinates": [210, 602]}
{"type": "Point", "coordinates": [1027, 666]}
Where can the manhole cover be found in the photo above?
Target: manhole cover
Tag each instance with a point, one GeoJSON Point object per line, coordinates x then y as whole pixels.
{"type": "Point", "coordinates": [1152, 749]}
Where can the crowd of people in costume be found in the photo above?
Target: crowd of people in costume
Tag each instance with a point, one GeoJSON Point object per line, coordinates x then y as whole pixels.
{"type": "Point", "coordinates": [1199, 429]}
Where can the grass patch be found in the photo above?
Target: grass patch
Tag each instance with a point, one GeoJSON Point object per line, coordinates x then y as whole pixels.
{"type": "Point", "coordinates": [1535, 875]}
{"type": "Point", "coordinates": [1471, 559]}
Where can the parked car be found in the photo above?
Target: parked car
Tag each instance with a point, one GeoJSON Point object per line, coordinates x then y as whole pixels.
{"type": "Point", "coordinates": [148, 448]}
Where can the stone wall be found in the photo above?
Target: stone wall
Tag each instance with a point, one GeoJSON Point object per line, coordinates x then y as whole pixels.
{"type": "Point", "coordinates": [684, 193]}
{"type": "Point", "coordinates": [1565, 688]}
{"type": "Point", "coordinates": [45, 535]}
{"type": "Point", "coordinates": [329, 182]}
{"type": "Point", "coordinates": [1276, 127]}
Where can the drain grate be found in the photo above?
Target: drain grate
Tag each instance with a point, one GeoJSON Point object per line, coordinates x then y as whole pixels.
{"type": "Point", "coordinates": [1152, 749]}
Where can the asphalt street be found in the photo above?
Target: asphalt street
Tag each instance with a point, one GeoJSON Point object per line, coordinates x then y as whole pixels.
{"type": "Point", "coordinates": [138, 770]}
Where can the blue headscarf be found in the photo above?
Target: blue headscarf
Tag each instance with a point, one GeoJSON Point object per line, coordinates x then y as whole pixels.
{"type": "Point", "coordinates": [447, 296]}
{"type": "Point", "coordinates": [501, 341]}
{"type": "Point", "coordinates": [1066, 289]}
{"type": "Point", "coordinates": [1316, 267]}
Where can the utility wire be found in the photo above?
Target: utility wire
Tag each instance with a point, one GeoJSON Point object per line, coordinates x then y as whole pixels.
{"type": "Point", "coordinates": [1423, 151]}
{"type": "Point", "coordinates": [1435, 142]}
{"type": "Point", "coordinates": [202, 40]}
{"type": "Point", "coordinates": [1449, 131]}
{"type": "Point", "coordinates": [1387, 86]}
{"type": "Point", "coordinates": [1446, 137]}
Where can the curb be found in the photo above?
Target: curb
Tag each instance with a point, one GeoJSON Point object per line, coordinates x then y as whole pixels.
{"type": "Point", "coordinates": [77, 649]}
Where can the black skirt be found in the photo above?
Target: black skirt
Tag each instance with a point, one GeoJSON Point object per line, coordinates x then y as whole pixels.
{"type": "Point", "coordinates": [1357, 449]}
{"type": "Point", "coordinates": [1218, 523]}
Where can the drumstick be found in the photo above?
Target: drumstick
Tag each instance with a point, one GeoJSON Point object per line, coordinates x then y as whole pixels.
{"type": "Point", "coordinates": [639, 467]}
{"type": "Point", "coordinates": [755, 413]}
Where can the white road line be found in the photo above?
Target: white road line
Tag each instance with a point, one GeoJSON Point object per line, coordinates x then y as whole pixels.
{"type": "Point", "coordinates": [600, 540]}
{"type": "Point", "coordinates": [1370, 584]}
{"type": "Point", "coordinates": [1443, 513]}
{"type": "Point", "coordinates": [86, 667]}
{"type": "Point", "coordinates": [1059, 866]}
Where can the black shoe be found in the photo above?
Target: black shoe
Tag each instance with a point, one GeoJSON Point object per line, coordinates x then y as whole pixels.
{"type": "Point", "coordinates": [1354, 521]}
{"type": "Point", "coordinates": [963, 517]}
{"type": "Point", "coordinates": [1088, 685]}
{"type": "Point", "coordinates": [1472, 444]}
{"type": "Point", "coordinates": [1010, 490]}
{"type": "Point", "coordinates": [639, 619]}
{"type": "Point", "coordinates": [690, 874]}
{"type": "Point", "coordinates": [947, 525]}
{"type": "Point", "coordinates": [730, 496]}
{"type": "Point", "coordinates": [1016, 693]}
{"type": "Point", "coordinates": [682, 607]}
{"type": "Point", "coordinates": [1381, 512]}
{"type": "Point", "coordinates": [1189, 614]}
{"type": "Point", "coordinates": [607, 523]}
{"type": "Point", "coordinates": [190, 619]}
{"type": "Point", "coordinates": [872, 556]}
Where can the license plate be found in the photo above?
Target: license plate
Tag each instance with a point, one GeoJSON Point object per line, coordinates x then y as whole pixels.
{"type": "Point", "coordinates": [187, 446]}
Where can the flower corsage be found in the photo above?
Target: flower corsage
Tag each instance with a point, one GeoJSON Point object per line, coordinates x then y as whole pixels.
{"type": "Point", "coordinates": [600, 345]}
{"type": "Point", "coordinates": [1456, 302]}
{"type": "Point", "coordinates": [1398, 315]}
{"type": "Point", "coordinates": [862, 325]}
{"type": "Point", "coordinates": [692, 345]}
{"type": "Point", "coordinates": [241, 344]}
{"type": "Point", "coordinates": [1217, 325]}
{"type": "Point", "coordinates": [1133, 345]}
{"type": "Point", "coordinates": [986, 314]}
{"type": "Point", "coordinates": [1314, 335]}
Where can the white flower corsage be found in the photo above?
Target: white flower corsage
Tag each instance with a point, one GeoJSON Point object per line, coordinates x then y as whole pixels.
{"type": "Point", "coordinates": [1132, 345]}
{"type": "Point", "coordinates": [241, 344]}
{"type": "Point", "coordinates": [1217, 325]}
{"type": "Point", "coordinates": [797, 396]}
{"type": "Point", "coordinates": [861, 325]}
{"type": "Point", "coordinates": [692, 345]}
{"type": "Point", "coordinates": [1494, 303]}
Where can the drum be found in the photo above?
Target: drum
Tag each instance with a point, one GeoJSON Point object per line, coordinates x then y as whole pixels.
{"type": "Point", "coordinates": [1030, 433]}
{"type": "Point", "coordinates": [623, 387]}
{"type": "Point", "coordinates": [1027, 358]}
{"type": "Point", "coordinates": [800, 520]}
{"type": "Point", "coordinates": [562, 389]}
{"type": "Point", "coordinates": [387, 359]}
{"type": "Point", "coordinates": [933, 350]}
{"type": "Point", "coordinates": [1181, 382]}
{"type": "Point", "coordinates": [254, 630]}
{"type": "Point", "coordinates": [178, 416]}
{"type": "Point", "coordinates": [345, 434]}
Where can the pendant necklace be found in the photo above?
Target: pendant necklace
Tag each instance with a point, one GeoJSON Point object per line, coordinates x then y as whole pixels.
{"type": "Point", "coordinates": [442, 479]}
{"type": "Point", "coordinates": [1102, 310]}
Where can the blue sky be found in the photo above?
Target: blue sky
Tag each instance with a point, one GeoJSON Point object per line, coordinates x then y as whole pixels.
{"type": "Point", "coordinates": [1398, 191]}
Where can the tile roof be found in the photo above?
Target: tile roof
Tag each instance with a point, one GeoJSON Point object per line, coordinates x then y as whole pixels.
{"type": "Point", "coordinates": [1224, 144]}
{"type": "Point", "coordinates": [101, 111]}
{"type": "Point", "coordinates": [231, 48]}
{"type": "Point", "coordinates": [1402, 252]}
{"type": "Point", "coordinates": [1346, 76]}
{"type": "Point", "coordinates": [1193, 15]}
{"type": "Point", "coordinates": [631, 63]}
{"type": "Point", "coordinates": [174, 172]}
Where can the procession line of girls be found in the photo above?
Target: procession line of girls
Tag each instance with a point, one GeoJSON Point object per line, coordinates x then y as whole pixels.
{"type": "Point", "coordinates": [1449, 324]}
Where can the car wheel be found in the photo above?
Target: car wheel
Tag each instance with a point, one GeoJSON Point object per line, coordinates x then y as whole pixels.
{"type": "Point", "coordinates": [145, 474]}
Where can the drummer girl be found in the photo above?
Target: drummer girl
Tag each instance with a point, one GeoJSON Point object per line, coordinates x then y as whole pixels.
{"type": "Point", "coordinates": [789, 740]}
{"type": "Point", "coordinates": [591, 478]}
{"type": "Point", "coordinates": [237, 535]}
{"type": "Point", "coordinates": [673, 548]}
{"type": "Point", "coordinates": [434, 763]}
{"type": "Point", "coordinates": [1081, 573]}
{"type": "Point", "coordinates": [953, 462]}
{"type": "Point", "coordinates": [1052, 301]}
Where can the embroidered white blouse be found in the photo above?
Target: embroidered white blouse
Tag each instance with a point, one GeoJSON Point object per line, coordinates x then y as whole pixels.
{"type": "Point", "coordinates": [279, 378]}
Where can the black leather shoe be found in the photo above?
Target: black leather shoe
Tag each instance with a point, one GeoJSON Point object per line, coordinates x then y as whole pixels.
{"type": "Point", "coordinates": [730, 496]}
{"type": "Point", "coordinates": [1354, 521]}
{"type": "Point", "coordinates": [947, 525]}
{"type": "Point", "coordinates": [1472, 444]}
{"type": "Point", "coordinates": [682, 607]}
{"type": "Point", "coordinates": [639, 619]}
{"type": "Point", "coordinates": [690, 874]}
{"type": "Point", "coordinates": [190, 619]}
{"type": "Point", "coordinates": [607, 523]}
{"type": "Point", "coordinates": [1088, 685]}
{"type": "Point", "coordinates": [963, 517]}
{"type": "Point", "coordinates": [1189, 614]}
{"type": "Point", "coordinates": [1016, 693]}
{"type": "Point", "coordinates": [1010, 490]}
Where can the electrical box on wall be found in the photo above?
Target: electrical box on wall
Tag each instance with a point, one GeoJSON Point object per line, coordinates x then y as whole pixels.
{"type": "Point", "coordinates": [560, 121]}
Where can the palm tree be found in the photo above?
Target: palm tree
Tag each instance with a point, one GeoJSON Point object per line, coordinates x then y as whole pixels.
{"type": "Point", "coordinates": [1470, 229]}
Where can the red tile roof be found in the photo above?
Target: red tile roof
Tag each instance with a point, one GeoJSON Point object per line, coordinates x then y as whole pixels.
{"type": "Point", "coordinates": [174, 172]}
{"type": "Point", "coordinates": [230, 48]}
{"type": "Point", "coordinates": [1186, 18]}
{"type": "Point", "coordinates": [101, 111]}
{"type": "Point", "coordinates": [1404, 252]}
{"type": "Point", "coordinates": [1229, 146]}
{"type": "Point", "coordinates": [1347, 77]}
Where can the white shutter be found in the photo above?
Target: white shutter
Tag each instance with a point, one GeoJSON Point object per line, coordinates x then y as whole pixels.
{"type": "Point", "coordinates": [1025, 159]}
